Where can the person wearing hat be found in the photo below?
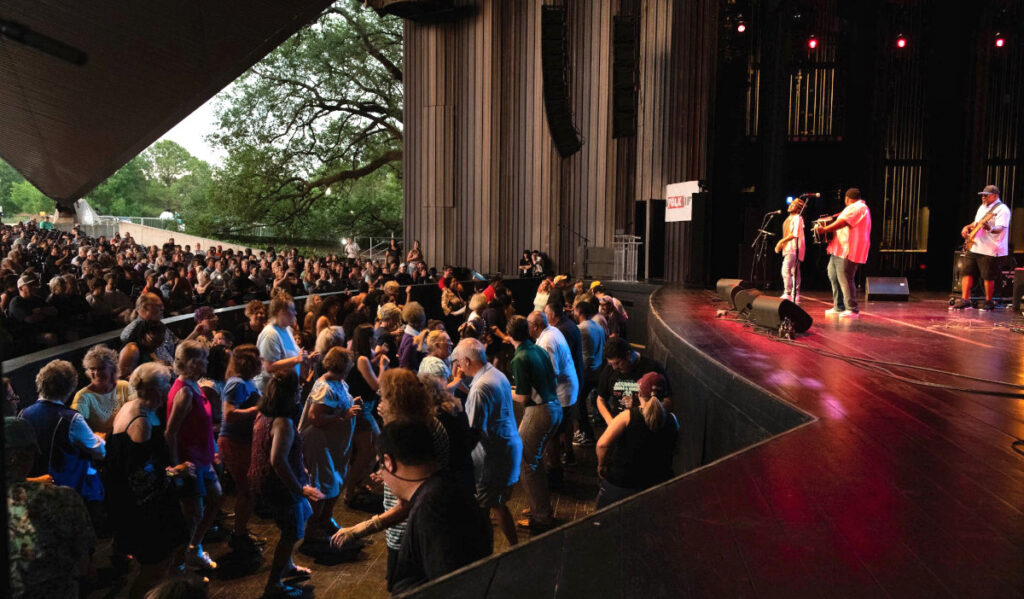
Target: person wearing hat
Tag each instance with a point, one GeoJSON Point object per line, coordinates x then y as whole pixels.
{"type": "Point", "coordinates": [989, 245]}
{"type": "Point", "coordinates": [636, 450]}
{"type": "Point", "coordinates": [847, 251]}
{"type": "Point", "coordinates": [792, 248]}
{"type": "Point", "coordinates": [50, 535]}
{"type": "Point", "coordinates": [30, 315]}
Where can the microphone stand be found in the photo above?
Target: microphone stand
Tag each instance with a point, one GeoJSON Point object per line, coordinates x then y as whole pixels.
{"type": "Point", "coordinates": [585, 241]}
{"type": "Point", "coordinates": [760, 247]}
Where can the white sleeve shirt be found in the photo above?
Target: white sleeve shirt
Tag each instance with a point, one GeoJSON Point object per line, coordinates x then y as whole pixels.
{"type": "Point", "coordinates": [987, 242]}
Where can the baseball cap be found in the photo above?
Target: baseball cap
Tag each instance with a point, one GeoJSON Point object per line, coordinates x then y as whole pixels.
{"type": "Point", "coordinates": [19, 434]}
{"type": "Point", "coordinates": [27, 279]}
{"type": "Point", "coordinates": [652, 382]}
{"type": "Point", "coordinates": [595, 284]}
{"type": "Point", "coordinates": [989, 190]}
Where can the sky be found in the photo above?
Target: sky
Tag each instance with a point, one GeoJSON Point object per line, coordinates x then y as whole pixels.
{"type": "Point", "coordinates": [190, 134]}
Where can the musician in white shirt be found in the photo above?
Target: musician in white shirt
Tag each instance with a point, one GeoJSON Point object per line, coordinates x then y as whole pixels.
{"type": "Point", "coordinates": [791, 246]}
{"type": "Point", "coordinates": [847, 250]}
{"type": "Point", "coordinates": [989, 246]}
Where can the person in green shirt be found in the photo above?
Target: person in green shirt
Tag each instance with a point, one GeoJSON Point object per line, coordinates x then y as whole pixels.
{"type": "Point", "coordinates": [533, 385]}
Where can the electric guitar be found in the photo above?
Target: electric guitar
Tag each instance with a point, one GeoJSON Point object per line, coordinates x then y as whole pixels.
{"type": "Point", "coordinates": [969, 241]}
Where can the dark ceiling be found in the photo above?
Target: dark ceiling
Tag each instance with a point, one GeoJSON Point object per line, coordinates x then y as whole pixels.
{"type": "Point", "coordinates": [149, 64]}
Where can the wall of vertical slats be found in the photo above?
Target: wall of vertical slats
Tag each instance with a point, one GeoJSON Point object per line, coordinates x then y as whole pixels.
{"type": "Point", "coordinates": [482, 179]}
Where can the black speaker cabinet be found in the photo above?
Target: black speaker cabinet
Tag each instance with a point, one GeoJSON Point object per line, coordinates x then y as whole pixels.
{"type": "Point", "coordinates": [887, 288]}
{"type": "Point", "coordinates": [555, 85]}
{"type": "Point", "coordinates": [768, 311]}
{"type": "Point", "coordinates": [745, 300]}
{"type": "Point", "coordinates": [1018, 288]}
{"type": "Point", "coordinates": [728, 288]}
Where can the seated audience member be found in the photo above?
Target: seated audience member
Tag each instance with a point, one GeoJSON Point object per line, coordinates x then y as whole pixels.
{"type": "Point", "coordinates": [238, 412]}
{"type": "Point", "coordinates": [277, 476]}
{"type": "Point", "coordinates": [445, 530]}
{"type": "Point", "coordinates": [68, 446]}
{"type": "Point", "coordinates": [142, 347]}
{"type": "Point", "coordinates": [498, 455]}
{"type": "Point", "coordinates": [99, 402]}
{"type": "Point", "coordinates": [636, 450]}
{"type": "Point", "coordinates": [149, 306]}
{"type": "Point", "coordinates": [409, 354]}
{"type": "Point", "coordinates": [32, 316]}
{"type": "Point", "coordinates": [189, 437]}
{"type": "Point", "coordinates": [326, 428]}
{"type": "Point", "coordinates": [256, 318]}
{"type": "Point", "coordinates": [617, 388]}
{"type": "Point", "coordinates": [50, 537]}
{"type": "Point", "coordinates": [147, 519]}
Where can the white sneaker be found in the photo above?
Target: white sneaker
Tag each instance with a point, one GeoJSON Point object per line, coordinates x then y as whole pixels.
{"type": "Point", "coordinates": [849, 314]}
{"type": "Point", "coordinates": [832, 312]}
{"type": "Point", "coordinates": [786, 296]}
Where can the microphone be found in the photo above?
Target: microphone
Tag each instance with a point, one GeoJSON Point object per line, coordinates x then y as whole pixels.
{"type": "Point", "coordinates": [811, 195]}
{"type": "Point", "coordinates": [773, 212]}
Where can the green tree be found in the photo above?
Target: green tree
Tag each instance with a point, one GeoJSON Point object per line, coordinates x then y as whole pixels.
{"type": "Point", "coordinates": [127, 192]}
{"type": "Point", "coordinates": [25, 198]}
{"type": "Point", "coordinates": [320, 112]}
{"type": "Point", "coordinates": [8, 177]}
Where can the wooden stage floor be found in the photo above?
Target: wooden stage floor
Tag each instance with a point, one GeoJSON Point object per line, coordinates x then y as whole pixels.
{"type": "Point", "coordinates": [894, 489]}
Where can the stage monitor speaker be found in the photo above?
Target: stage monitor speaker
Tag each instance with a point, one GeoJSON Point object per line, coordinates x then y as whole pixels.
{"type": "Point", "coordinates": [624, 88]}
{"type": "Point", "coordinates": [769, 311]}
{"type": "Point", "coordinates": [555, 83]}
{"type": "Point", "coordinates": [887, 288]}
{"type": "Point", "coordinates": [728, 288]}
{"type": "Point", "coordinates": [1018, 288]}
{"type": "Point", "coordinates": [745, 300]}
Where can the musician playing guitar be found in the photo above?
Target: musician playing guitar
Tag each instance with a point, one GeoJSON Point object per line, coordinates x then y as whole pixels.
{"type": "Point", "coordinates": [847, 251]}
{"type": "Point", "coordinates": [985, 243]}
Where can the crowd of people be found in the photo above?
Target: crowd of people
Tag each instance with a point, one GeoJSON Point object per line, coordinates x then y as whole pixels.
{"type": "Point", "coordinates": [356, 395]}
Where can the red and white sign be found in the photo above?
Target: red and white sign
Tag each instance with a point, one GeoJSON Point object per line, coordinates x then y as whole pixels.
{"type": "Point", "coordinates": [679, 201]}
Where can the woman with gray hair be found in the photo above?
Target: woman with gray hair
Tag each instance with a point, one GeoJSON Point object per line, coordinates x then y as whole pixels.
{"type": "Point", "coordinates": [148, 523]}
{"type": "Point", "coordinates": [99, 401]}
{"type": "Point", "coordinates": [437, 362]}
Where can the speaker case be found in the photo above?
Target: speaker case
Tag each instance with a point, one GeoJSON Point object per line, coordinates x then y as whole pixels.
{"type": "Point", "coordinates": [769, 312]}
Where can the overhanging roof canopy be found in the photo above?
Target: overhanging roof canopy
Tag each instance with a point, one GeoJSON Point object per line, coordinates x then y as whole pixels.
{"type": "Point", "coordinates": [149, 64]}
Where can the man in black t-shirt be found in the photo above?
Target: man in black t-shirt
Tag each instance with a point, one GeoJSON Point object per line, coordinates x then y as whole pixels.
{"type": "Point", "coordinates": [620, 381]}
{"type": "Point", "coordinates": [445, 529]}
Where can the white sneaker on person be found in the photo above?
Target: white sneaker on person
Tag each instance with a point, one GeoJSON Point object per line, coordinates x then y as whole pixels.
{"type": "Point", "coordinates": [832, 312]}
{"type": "Point", "coordinates": [786, 296]}
{"type": "Point", "coordinates": [849, 314]}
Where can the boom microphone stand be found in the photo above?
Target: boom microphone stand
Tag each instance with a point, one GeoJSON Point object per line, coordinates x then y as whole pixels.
{"type": "Point", "coordinates": [760, 247]}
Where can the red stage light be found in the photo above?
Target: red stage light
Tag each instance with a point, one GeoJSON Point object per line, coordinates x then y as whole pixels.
{"type": "Point", "coordinates": [741, 27]}
{"type": "Point", "coordinates": [901, 42]}
{"type": "Point", "coordinates": [812, 43]}
{"type": "Point", "coordinates": [1000, 41]}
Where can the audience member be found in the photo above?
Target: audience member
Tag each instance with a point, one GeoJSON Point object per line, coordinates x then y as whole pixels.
{"type": "Point", "coordinates": [147, 520]}
{"type": "Point", "coordinates": [636, 450]}
{"type": "Point", "coordinates": [445, 530]}
{"type": "Point", "coordinates": [619, 383]}
{"type": "Point", "coordinates": [190, 439]}
{"type": "Point", "coordinates": [50, 537]}
{"type": "Point", "coordinates": [592, 338]}
{"type": "Point", "coordinates": [238, 409]}
{"type": "Point", "coordinates": [99, 401]}
{"type": "Point", "coordinates": [535, 388]}
{"type": "Point", "coordinates": [326, 426]}
{"type": "Point", "coordinates": [497, 457]}
{"type": "Point", "coordinates": [278, 478]}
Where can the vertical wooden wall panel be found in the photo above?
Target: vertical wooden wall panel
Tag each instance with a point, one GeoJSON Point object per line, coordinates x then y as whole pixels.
{"type": "Point", "coordinates": [508, 189]}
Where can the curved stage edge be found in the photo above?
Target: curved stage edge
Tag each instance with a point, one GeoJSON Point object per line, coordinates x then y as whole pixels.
{"type": "Point", "coordinates": [810, 475]}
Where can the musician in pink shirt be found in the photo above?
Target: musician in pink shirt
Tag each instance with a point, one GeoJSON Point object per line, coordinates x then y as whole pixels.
{"type": "Point", "coordinates": [847, 250]}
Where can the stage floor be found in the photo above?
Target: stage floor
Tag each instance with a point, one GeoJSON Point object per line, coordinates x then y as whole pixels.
{"type": "Point", "coordinates": [894, 488]}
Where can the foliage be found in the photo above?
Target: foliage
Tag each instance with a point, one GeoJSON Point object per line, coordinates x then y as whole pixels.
{"type": "Point", "coordinates": [25, 198]}
{"type": "Point", "coordinates": [321, 111]}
